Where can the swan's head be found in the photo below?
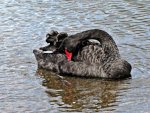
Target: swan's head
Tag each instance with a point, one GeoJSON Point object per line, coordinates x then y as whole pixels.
{"type": "Point", "coordinates": [71, 46]}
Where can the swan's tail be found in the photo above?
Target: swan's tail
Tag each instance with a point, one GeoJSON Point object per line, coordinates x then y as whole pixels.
{"type": "Point", "coordinates": [119, 69]}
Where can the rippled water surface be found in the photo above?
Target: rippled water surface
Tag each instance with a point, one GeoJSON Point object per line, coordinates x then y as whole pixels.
{"type": "Point", "coordinates": [23, 25]}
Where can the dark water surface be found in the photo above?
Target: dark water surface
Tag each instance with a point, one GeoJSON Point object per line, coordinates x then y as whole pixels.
{"type": "Point", "coordinates": [23, 25]}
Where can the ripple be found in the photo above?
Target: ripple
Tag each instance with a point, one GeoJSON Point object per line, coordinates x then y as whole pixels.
{"type": "Point", "coordinates": [23, 28]}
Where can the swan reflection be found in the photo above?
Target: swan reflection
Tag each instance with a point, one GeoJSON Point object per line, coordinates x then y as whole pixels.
{"type": "Point", "coordinates": [74, 93]}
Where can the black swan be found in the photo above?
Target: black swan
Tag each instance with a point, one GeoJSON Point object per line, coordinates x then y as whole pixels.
{"type": "Point", "coordinates": [87, 59]}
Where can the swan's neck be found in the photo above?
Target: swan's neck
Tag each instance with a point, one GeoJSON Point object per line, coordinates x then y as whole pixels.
{"type": "Point", "coordinates": [108, 44]}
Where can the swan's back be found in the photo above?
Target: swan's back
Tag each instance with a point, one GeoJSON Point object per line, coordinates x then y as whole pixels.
{"type": "Point", "coordinates": [92, 54]}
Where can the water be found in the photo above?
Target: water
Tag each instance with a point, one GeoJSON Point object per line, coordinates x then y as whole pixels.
{"type": "Point", "coordinates": [23, 25]}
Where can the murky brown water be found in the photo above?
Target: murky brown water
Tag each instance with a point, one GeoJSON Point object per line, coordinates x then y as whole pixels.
{"type": "Point", "coordinates": [23, 25]}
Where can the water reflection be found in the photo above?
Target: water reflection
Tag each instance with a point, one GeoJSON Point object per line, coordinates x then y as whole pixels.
{"type": "Point", "coordinates": [24, 23]}
{"type": "Point", "coordinates": [78, 93]}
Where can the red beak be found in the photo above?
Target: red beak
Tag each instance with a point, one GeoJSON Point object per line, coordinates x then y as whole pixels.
{"type": "Point", "coordinates": [68, 55]}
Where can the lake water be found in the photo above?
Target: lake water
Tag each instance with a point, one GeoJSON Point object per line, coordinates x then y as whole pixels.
{"type": "Point", "coordinates": [25, 89]}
